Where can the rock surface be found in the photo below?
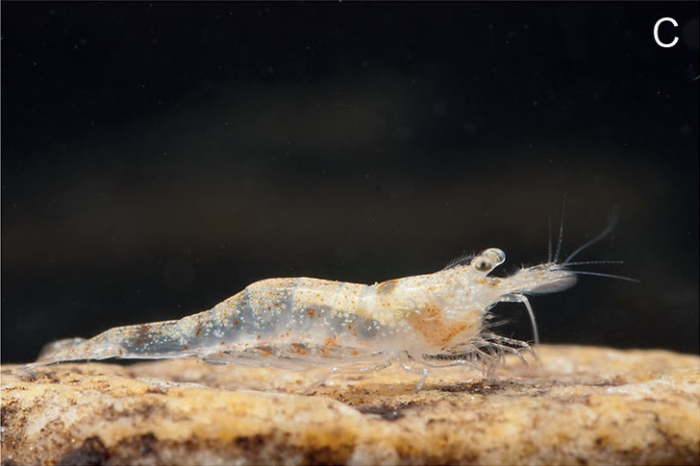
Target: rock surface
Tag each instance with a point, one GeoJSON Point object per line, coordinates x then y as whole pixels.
{"type": "Point", "coordinates": [581, 405]}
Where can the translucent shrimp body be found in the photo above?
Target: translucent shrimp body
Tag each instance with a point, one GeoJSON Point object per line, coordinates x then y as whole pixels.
{"type": "Point", "coordinates": [426, 320]}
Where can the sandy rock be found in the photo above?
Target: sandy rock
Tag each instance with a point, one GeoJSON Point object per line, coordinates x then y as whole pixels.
{"type": "Point", "coordinates": [582, 405]}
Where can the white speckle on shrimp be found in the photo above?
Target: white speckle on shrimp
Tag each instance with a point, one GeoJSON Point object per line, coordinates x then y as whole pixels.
{"type": "Point", "coordinates": [422, 321]}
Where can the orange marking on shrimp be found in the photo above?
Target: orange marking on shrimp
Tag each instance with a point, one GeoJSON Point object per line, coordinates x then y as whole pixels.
{"type": "Point", "coordinates": [143, 331]}
{"type": "Point", "coordinates": [331, 341]}
{"type": "Point", "coordinates": [431, 325]}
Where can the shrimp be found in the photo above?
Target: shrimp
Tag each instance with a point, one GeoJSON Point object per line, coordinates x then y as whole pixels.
{"type": "Point", "coordinates": [423, 321]}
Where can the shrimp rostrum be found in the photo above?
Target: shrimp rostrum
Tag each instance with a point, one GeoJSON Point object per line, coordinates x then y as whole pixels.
{"type": "Point", "coordinates": [420, 322]}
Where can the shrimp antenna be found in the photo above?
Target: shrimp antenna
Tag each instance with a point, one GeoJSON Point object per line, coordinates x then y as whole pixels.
{"type": "Point", "coordinates": [606, 231]}
{"type": "Point", "coordinates": [569, 264]}
{"type": "Point", "coordinates": [607, 275]}
{"type": "Point", "coordinates": [561, 232]}
{"type": "Point", "coordinates": [549, 240]}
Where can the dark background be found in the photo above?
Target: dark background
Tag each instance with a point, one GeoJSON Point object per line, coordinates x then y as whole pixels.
{"type": "Point", "coordinates": [157, 158]}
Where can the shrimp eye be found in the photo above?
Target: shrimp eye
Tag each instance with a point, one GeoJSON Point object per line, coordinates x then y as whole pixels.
{"type": "Point", "coordinates": [482, 264]}
{"type": "Point", "coordinates": [488, 260]}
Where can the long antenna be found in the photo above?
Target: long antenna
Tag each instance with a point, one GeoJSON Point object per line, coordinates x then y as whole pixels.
{"type": "Point", "coordinates": [549, 240]}
{"type": "Point", "coordinates": [606, 231]}
{"type": "Point", "coordinates": [607, 275]}
{"type": "Point", "coordinates": [561, 230]}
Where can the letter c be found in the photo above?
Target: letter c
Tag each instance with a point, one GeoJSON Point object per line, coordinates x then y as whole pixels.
{"type": "Point", "coordinates": [656, 32]}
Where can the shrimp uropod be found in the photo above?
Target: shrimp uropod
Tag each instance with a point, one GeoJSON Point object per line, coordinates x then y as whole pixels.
{"type": "Point", "coordinates": [422, 321]}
